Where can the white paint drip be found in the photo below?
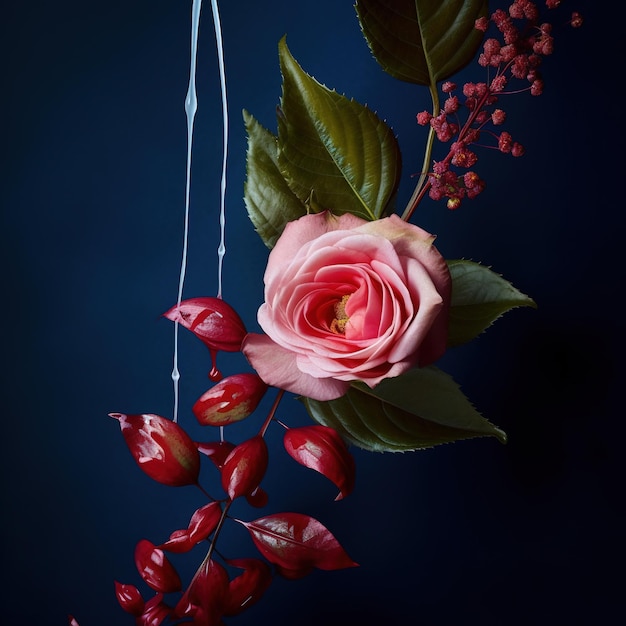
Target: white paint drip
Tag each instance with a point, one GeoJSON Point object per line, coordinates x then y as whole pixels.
{"type": "Point", "coordinates": [221, 251]}
{"type": "Point", "coordinates": [191, 105]}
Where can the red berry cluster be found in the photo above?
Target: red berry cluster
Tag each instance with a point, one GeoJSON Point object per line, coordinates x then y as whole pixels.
{"type": "Point", "coordinates": [290, 544]}
{"type": "Point", "coordinates": [516, 51]}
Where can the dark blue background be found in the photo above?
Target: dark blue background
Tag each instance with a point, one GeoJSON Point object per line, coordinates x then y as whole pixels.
{"type": "Point", "coordinates": [92, 212]}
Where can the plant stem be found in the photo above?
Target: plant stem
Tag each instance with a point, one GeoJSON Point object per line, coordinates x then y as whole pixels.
{"type": "Point", "coordinates": [217, 530]}
{"type": "Point", "coordinates": [270, 417]}
{"type": "Point", "coordinates": [422, 183]}
{"type": "Point", "coordinates": [216, 533]}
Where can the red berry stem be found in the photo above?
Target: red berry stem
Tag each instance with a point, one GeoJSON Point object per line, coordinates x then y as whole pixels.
{"type": "Point", "coordinates": [422, 184]}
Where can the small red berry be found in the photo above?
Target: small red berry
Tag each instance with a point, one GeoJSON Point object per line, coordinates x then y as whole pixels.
{"type": "Point", "coordinates": [233, 399]}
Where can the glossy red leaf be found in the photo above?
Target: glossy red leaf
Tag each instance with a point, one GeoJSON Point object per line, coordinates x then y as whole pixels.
{"type": "Point", "coordinates": [245, 467]}
{"type": "Point", "coordinates": [247, 588]}
{"type": "Point", "coordinates": [213, 321]}
{"type": "Point", "coordinates": [72, 620]}
{"type": "Point", "coordinates": [161, 448]}
{"type": "Point", "coordinates": [204, 521]}
{"type": "Point", "coordinates": [322, 449]}
{"type": "Point", "coordinates": [231, 400]}
{"type": "Point", "coordinates": [129, 598]}
{"type": "Point", "coordinates": [295, 541]}
{"type": "Point", "coordinates": [155, 568]}
{"type": "Point", "coordinates": [155, 612]}
{"type": "Point", "coordinates": [217, 451]}
{"type": "Point", "coordinates": [178, 542]}
{"type": "Point", "coordinates": [205, 598]}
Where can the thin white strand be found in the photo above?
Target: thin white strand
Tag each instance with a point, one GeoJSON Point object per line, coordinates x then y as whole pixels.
{"type": "Point", "coordinates": [221, 251]}
{"type": "Point", "coordinates": [191, 105]}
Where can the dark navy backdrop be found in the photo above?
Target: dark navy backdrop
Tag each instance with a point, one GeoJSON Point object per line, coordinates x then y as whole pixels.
{"type": "Point", "coordinates": [92, 212]}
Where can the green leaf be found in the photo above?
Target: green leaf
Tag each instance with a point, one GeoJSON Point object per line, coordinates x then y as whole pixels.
{"type": "Point", "coordinates": [269, 201]}
{"type": "Point", "coordinates": [422, 408]}
{"type": "Point", "coordinates": [334, 147]}
{"type": "Point", "coordinates": [479, 297]}
{"type": "Point", "coordinates": [421, 41]}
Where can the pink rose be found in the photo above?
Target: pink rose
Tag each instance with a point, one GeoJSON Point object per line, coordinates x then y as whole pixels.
{"type": "Point", "coordinates": [346, 300]}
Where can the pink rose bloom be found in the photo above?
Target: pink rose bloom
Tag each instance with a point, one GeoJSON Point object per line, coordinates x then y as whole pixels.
{"type": "Point", "coordinates": [346, 300]}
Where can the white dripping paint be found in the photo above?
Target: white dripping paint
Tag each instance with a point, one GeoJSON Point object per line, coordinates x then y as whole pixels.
{"type": "Point", "coordinates": [221, 251]}
{"type": "Point", "coordinates": [191, 106]}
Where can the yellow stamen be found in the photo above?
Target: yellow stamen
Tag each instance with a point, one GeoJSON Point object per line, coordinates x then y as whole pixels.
{"type": "Point", "coordinates": [338, 325]}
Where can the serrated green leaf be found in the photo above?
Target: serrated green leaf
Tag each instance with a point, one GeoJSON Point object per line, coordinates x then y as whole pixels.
{"type": "Point", "coordinates": [479, 298]}
{"type": "Point", "coordinates": [269, 201]}
{"type": "Point", "coordinates": [420, 409]}
{"type": "Point", "coordinates": [334, 146]}
{"type": "Point", "coordinates": [421, 41]}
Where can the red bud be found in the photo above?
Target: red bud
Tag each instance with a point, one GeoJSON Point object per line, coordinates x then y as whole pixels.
{"type": "Point", "coordinates": [162, 449]}
{"type": "Point", "coordinates": [129, 598]}
{"type": "Point", "coordinates": [213, 321]}
{"type": "Point", "coordinates": [231, 400]}
{"type": "Point", "coordinates": [245, 467]}
{"type": "Point", "coordinates": [155, 568]}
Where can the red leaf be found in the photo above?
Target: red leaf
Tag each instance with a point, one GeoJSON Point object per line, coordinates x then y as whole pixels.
{"type": "Point", "coordinates": [217, 451]}
{"type": "Point", "coordinates": [245, 467]}
{"type": "Point", "coordinates": [205, 598]}
{"type": "Point", "coordinates": [204, 521]}
{"type": "Point", "coordinates": [178, 542]}
{"type": "Point", "coordinates": [213, 321]}
{"type": "Point", "coordinates": [155, 568]}
{"type": "Point", "coordinates": [155, 612]}
{"type": "Point", "coordinates": [322, 449]}
{"type": "Point", "coordinates": [295, 542]}
{"type": "Point", "coordinates": [233, 399]}
{"type": "Point", "coordinates": [129, 598]}
{"type": "Point", "coordinates": [161, 448]}
{"type": "Point", "coordinates": [247, 588]}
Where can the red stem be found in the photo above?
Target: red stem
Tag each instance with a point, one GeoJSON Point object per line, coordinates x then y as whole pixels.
{"type": "Point", "coordinates": [270, 417]}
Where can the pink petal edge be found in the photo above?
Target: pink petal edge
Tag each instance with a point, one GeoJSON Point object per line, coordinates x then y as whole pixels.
{"type": "Point", "coordinates": [277, 367]}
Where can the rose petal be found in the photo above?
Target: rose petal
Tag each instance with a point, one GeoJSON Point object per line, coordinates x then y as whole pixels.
{"type": "Point", "coordinates": [302, 231]}
{"type": "Point", "coordinates": [277, 367]}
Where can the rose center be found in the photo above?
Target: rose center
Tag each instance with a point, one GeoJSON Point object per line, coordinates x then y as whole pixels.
{"type": "Point", "coordinates": [338, 325]}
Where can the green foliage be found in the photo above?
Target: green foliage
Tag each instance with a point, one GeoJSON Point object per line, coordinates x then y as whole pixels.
{"type": "Point", "coordinates": [422, 408]}
{"type": "Point", "coordinates": [479, 297]}
{"type": "Point", "coordinates": [330, 153]}
{"type": "Point", "coordinates": [421, 41]}
{"type": "Point", "coordinates": [269, 200]}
